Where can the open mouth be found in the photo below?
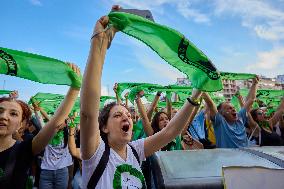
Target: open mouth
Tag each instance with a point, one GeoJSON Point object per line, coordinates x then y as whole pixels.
{"type": "Point", "coordinates": [125, 128]}
{"type": "Point", "coordinates": [2, 125]}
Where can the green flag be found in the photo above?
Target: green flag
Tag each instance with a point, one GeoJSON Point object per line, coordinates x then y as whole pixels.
{"type": "Point", "coordinates": [173, 47]}
{"type": "Point", "coordinates": [237, 76]}
{"type": "Point", "coordinates": [217, 98]}
{"type": "Point", "coordinates": [50, 102]}
{"type": "Point", "coordinates": [270, 93]}
{"type": "Point", "coordinates": [123, 86]}
{"type": "Point", "coordinates": [2, 92]}
{"type": "Point", "coordinates": [47, 96]}
{"type": "Point", "coordinates": [176, 105]}
{"type": "Point", "coordinates": [103, 99]}
{"type": "Point", "coordinates": [37, 68]}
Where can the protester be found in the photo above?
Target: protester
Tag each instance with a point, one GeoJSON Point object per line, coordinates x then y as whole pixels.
{"type": "Point", "coordinates": [158, 123]}
{"type": "Point", "coordinates": [56, 160]}
{"type": "Point", "coordinates": [268, 136]}
{"type": "Point", "coordinates": [229, 126]}
{"type": "Point", "coordinates": [114, 129]}
{"type": "Point", "coordinates": [16, 157]}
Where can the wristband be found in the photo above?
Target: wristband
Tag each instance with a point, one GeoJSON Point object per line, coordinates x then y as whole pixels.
{"type": "Point", "coordinates": [193, 102]}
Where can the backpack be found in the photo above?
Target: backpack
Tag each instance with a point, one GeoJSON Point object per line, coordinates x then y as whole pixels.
{"type": "Point", "coordinates": [98, 172]}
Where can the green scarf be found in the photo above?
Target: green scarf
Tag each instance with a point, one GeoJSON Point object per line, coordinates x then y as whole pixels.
{"type": "Point", "coordinates": [37, 68]}
{"type": "Point", "coordinates": [50, 102]}
{"type": "Point", "coordinates": [2, 92]}
{"type": "Point", "coordinates": [103, 99]}
{"type": "Point", "coordinates": [142, 86]}
{"type": "Point", "coordinates": [237, 76]}
{"type": "Point", "coordinates": [173, 47]}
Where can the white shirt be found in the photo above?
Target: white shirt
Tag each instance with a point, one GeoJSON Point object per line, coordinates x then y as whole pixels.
{"type": "Point", "coordinates": [56, 157]}
{"type": "Point", "coordinates": [117, 172]}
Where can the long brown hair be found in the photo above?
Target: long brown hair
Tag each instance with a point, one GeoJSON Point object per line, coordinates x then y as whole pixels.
{"type": "Point", "coordinates": [155, 121]}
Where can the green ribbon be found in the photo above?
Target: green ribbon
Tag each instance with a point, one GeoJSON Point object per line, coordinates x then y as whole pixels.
{"type": "Point", "coordinates": [173, 47]}
{"type": "Point", "coordinates": [37, 68]}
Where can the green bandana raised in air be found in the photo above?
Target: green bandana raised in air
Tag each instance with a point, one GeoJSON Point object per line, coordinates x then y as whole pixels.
{"type": "Point", "coordinates": [103, 99]}
{"type": "Point", "coordinates": [173, 47]}
{"type": "Point", "coordinates": [50, 102]}
{"type": "Point", "coordinates": [237, 76]}
{"type": "Point", "coordinates": [2, 92]}
{"type": "Point", "coordinates": [123, 86]}
{"type": "Point", "coordinates": [37, 68]}
{"type": "Point", "coordinates": [268, 96]}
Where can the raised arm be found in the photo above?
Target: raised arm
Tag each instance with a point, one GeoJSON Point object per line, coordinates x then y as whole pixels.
{"type": "Point", "coordinates": [14, 94]}
{"type": "Point", "coordinates": [153, 105]}
{"type": "Point", "coordinates": [53, 125]}
{"type": "Point", "coordinates": [252, 124]}
{"type": "Point", "coordinates": [210, 105]}
{"type": "Point", "coordinates": [278, 114]}
{"type": "Point", "coordinates": [43, 113]}
{"type": "Point", "coordinates": [126, 100]}
{"type": "Point", "coordinates": [174, 128]}
{"type": "Point", "coordinates": [38, 117]}
{"type": "Point", "coordinates": [252, 94]}
{"type": "Point", "coordinates": [169, 107]}
{"type": "Point", "coordinates": [118, 100]}
{"type": "Point", "coordinates": [74, 151]}
{"type": "Point", "coordinates": [191, 118]}
{"type": "Point", "coordinates": [91, 89]}
{"type": "Point", "coordinates": [145, 121]}
{"type": "Point", "coordinates": [241, 100]}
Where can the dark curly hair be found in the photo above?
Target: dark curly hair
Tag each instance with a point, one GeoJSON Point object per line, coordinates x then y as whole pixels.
{"type": "Point", "coordinates": [26, 116]}
{"type": "Point", "coordinates": [155, 121]}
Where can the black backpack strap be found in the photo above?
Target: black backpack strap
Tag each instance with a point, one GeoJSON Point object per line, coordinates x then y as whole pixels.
{"type": "Point", "coordinates": [135, 153]}
{"type": "Point", "coordinates": [10, 165]}
{"type": "Point", "coordinates": [100, 168]}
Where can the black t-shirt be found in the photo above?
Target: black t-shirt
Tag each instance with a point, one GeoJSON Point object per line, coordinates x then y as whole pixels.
{"type": "Point", "coordinates": [22, 161]}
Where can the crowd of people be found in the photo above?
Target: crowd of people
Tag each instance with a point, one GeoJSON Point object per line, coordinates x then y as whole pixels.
{"type": "Point", "coordinates": [111, 147]}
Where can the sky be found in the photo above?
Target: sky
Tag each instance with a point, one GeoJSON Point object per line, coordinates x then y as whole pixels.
{"type": "Point", "coordinates": [244, 36]}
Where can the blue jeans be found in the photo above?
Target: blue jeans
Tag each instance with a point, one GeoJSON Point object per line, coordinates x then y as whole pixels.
{"type": "Point", "coordinates": [77, 181]}
{"type": "Point", "coordinates": [54, 179]}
